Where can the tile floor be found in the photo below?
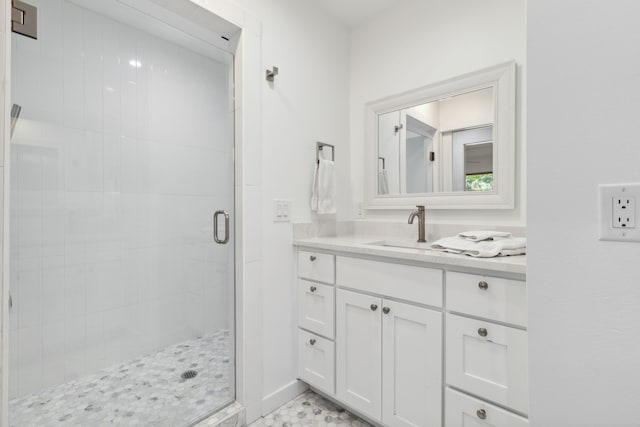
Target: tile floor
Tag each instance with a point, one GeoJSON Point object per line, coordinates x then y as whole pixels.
{"type": "Point", "coordinates": [148, 391]}
{"type": "Point", "coordinates": [310, 409]}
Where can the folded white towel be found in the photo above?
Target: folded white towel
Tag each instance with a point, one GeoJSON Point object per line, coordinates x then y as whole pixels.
{"type": "Point", "coordinates": [477, 236]}
{"type": "Point", "coordinates": [482, 249]}
{"type": "Point", "coordinates": [323, 198]}
{"type": "Point", "coordinates": [383, 182]}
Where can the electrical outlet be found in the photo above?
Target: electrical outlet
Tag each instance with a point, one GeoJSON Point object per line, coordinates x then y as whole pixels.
{"type": "Point", "coordinates": [281, 210]}
{"type": "Point", "coordinates": [624, 212]}
{"type": "Point", "coordinates": [618, 212]}
{"type": "Point", "coordinates": [360, 211]}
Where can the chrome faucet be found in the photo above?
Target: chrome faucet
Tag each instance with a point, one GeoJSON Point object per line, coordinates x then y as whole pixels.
{"type": "Point", "coordinates": [420, 214]}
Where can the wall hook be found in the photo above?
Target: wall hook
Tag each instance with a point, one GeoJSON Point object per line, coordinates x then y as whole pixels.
{"type": "Point", "coordinates": [271, 74]}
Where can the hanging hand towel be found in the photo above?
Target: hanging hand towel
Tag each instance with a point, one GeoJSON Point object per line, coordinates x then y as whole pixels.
{"type": "Point", "coordinates": [383, 182]}
{"type": "Point", "coordinates": [326, 187]}
{"type": "Point", "coordinates": [483, 249]}
{"type": "Point", "coordinates": [314, 190]}
{"type": "Point", "coordinates": [477, 236]}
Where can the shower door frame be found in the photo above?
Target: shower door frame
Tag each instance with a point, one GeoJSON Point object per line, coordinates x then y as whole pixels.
{"type": "Point", "coordinates": [246, 48]}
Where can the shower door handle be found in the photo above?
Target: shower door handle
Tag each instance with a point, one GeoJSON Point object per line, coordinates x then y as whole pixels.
{"type": "Point", "coordinates": [226, 227]}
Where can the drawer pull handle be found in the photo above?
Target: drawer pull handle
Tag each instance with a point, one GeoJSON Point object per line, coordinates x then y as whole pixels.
{"type": "Point", "coordinates": [482, 332]}
{"type": "Point", "coordinates": [313, 289]}
{"type": "Point", "coordinates": [374, 307]}
{"type": "Point", "coordinates": [483, 285]}
{"type": "Point", "coordinates": [312, 258]}
{"type": "Point", "coordinates": [386, 310]}
{"type": "Point", "coordinates": [312, 341]}
{"type": "Point", "coordinates": [481, 413]}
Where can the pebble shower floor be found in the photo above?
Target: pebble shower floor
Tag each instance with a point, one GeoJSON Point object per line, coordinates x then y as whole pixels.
{"type": "Point", "coordinates": [148, 391]}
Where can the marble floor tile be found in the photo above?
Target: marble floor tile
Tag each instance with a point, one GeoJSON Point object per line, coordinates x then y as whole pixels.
{"type": "Point", "coordinates": [310, 409]}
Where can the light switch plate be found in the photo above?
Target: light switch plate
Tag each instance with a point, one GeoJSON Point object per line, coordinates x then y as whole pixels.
{"type": "Point", "coordinates": [618, 213]}
{"type": "Point", "coordinates": [281, 210]}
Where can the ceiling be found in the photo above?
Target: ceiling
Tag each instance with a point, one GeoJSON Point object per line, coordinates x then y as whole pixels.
{"type": "Point", "coordinates": [354, 12]}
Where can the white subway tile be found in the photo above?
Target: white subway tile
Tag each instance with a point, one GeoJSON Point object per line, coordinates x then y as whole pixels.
{"type": "Point", "coordinates": [53, 352]}
{"type": "Point", "coordinates": [29, 359]}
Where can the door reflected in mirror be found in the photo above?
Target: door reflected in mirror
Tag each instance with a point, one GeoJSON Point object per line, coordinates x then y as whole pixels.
{"type": "Point", "coordinates": [445, 145]}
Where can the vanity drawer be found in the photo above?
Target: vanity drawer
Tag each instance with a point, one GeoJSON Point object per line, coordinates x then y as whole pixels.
{"type": "Point", "coordinates": [492, 298]}
{"type": "Point", "coordinates": [465, 411]}
{"type": "Point", "coordinates": [488, 360]}
{"type": "Point", "coordinates": [407, 282]}
{"type": "Point", "coordinates": [316, 361]}
{"type": "Point", "coordinates": [316, 266]}
{"type": "Point", "coordinates": [316, 307]}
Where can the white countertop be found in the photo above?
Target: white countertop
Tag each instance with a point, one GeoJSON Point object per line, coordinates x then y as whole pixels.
{"type": "Point", "coordinates": [361, 246]}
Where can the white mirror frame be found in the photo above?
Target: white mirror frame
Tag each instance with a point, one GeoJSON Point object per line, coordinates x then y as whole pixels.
{"type": "Point", "coordinates": [502, 78]}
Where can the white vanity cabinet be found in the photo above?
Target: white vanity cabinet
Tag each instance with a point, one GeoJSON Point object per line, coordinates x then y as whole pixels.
{"type": "Point", "coordinates": [488, 360]}
{"type": "Point", "coordinates": [316, 320]}
{"type": "Point", "coordinates": [389, 359]}
{"type": "Point", "coordinates": [486, 343]}
{"type": "Point", "coordinates": [401, 328]}
{"type": "Point", "coordinates": [389, 353]}
{"type": "Point", "coordinates": [359, 352]}
{"type": "Point", "coordinates": [466, 411]}
{"type": "Point", "coordinates": [411, 365]}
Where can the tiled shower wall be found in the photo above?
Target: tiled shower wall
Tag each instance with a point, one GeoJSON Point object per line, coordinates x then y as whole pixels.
{"type": "Point", "coordinates": [121, 155]}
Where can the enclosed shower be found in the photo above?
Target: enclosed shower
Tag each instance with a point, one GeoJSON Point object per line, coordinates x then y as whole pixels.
{"type": "Point", "coordinates": [121, 293]}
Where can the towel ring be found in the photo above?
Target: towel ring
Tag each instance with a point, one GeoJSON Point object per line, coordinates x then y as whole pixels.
{"type": "Point", "coordinates": [320, 146]}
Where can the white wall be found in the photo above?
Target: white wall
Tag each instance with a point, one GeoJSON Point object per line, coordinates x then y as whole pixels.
{"type": "Point", "coordinates": [467, 110]}
{"type": "Point", "coordinates": [584, 298]}
{"type": "Point", "coordinates": [308, 102]}
{"type": "Point", "coordinates": [420, 42]}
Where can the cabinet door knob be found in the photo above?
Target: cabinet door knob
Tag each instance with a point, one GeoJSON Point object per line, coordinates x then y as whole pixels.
{"type": "Point", "coordinates": [386, 310]}
{"type": "Point", "coordinates": [312, 258]}
{"type": "Point", "coordinates": [482, 332]}
{"type": "Point", "coordinates": [313, 289]}
{"type": "Point", "coordinates": [312, 341]}
{"type": "Point", "coordinates": [481, 413]}
{"type": "Point", "coordinates": [374, 307]}
{"type": "Point", "coordinates": [483, 285]}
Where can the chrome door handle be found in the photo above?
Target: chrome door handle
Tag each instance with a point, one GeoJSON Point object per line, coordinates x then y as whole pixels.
{"type": "Point", "coordinates": [226, 227]}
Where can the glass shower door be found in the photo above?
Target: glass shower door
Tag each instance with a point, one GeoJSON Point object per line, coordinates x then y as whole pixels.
{"type": "Point", "coordinates": [123, 302]}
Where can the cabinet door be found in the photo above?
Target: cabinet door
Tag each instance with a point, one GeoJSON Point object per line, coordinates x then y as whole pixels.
{"type": "Point", "coordinates": [466, 411]}
{"type": "Point", "coordinates": [488, 360]}
{"type": "Point", "coordinates": [316, 361]}
{"type": "Point", "coordinates": [316, 266]}
{"type": "Point", "coordinates": [315, 307]}
{"type": "Point", "coordinates": [411, 366]}
{"type": "Point", "coordinates": [358, 351]}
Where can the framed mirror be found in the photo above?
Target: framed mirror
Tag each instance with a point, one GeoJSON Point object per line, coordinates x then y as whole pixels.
{"type": "Point", "coordinates": [450, 145]}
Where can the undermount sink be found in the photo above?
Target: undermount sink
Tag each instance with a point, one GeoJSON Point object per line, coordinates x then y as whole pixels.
{"type": "Point", "coordinates": [402, 244]}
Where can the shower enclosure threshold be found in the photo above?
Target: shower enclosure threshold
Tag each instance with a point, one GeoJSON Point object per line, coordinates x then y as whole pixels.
{"type": "Point", "coordinates": [148, 391]}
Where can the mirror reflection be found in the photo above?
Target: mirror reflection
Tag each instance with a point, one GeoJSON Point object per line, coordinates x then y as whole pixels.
{"type": "Point", "coordinates": [446, 145]}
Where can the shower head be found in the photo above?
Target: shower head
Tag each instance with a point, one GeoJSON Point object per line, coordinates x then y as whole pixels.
{"type": "Point", "coordinates": [15, 114]}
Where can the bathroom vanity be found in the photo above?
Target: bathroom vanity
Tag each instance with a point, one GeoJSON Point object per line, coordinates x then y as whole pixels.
{"type": "Point", "coordinates": [413, 337]}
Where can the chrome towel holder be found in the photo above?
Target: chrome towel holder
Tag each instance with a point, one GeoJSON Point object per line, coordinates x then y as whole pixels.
{"type": "Point", "coordinates": [320, 146]}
